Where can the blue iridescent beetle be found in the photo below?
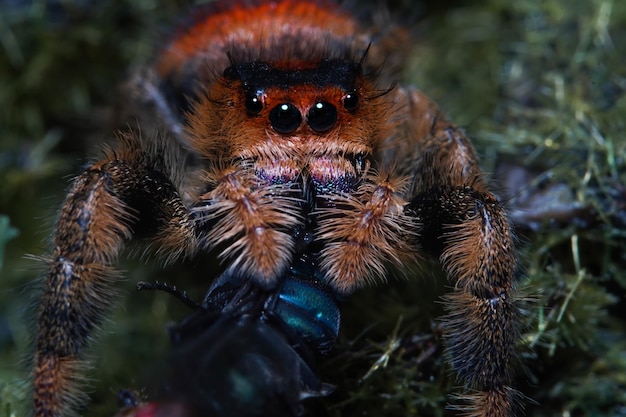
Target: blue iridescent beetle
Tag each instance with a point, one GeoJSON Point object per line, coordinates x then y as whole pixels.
{"type": "Point", "coordinates": [246, 351]}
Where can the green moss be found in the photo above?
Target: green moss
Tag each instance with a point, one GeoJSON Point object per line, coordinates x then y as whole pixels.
{"type": "Point", "coordinates": [539, 85]}
{"type": "Point", "coordinates": [554, 81]}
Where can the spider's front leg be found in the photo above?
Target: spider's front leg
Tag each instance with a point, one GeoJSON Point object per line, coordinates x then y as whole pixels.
{"type": "Point", "coordinates": [128, 192]}
{"type": "Point", "coordinates": [466, 227]}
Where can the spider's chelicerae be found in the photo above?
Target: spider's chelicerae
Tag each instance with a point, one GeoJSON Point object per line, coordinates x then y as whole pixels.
{"type": "Point", "coordinates": [272, 134]}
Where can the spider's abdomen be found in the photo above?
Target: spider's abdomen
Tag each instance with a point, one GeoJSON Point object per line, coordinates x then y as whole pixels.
{"type": "Point", "coordinates": [252, 28]}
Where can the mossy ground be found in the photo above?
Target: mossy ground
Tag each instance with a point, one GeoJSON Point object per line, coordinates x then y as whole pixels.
{"type": "Point", "coordinates": [541, 87]}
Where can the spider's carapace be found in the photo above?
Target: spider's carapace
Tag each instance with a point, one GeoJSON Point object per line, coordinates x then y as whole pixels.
{"type": "Point", "coordinates": [273, 135]}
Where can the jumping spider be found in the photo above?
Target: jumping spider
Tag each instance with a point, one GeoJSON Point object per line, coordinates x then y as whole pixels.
{"type": "Point", "coordinates": [271, 133]}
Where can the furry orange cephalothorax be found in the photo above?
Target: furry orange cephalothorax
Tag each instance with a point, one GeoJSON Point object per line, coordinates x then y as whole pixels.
{"type": "Point", "coordinates": [273, 136]}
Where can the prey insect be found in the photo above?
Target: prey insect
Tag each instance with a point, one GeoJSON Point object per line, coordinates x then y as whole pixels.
{"type": "Point", "coordinates": [272, 135]}
{"type": "Point", "coordinates": [246, 351]}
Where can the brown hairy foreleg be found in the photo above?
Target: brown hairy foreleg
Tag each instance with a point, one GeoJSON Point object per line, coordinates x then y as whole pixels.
{"type": "Point", "coordinates": [99, 214]}
{"type": "Point", "coordinates": [466, 227]}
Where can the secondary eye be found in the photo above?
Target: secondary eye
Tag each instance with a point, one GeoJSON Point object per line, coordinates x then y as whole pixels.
{"type": "Point", "coordinates": [351, 101]}
{"type": "Point", "coordinates": [322, 116]}
{"type": "Point", "coordinates": [285, 118]}
{"type": "Point", "coordinates": [254, 103]}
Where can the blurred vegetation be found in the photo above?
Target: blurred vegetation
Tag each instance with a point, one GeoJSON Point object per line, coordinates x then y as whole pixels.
{"type": "Point", "coordinates": [541, 87]}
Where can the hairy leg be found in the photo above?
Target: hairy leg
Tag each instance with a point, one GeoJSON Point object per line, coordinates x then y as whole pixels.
{"type": "Point", "coordinates": [466, 227]}
{"type": "Point", "coordinates": [127, 192]}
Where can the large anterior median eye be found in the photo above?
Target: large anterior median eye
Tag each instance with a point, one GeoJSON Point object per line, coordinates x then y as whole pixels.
{"type": "Point", "coordinates": [285, 118]}
{"type": "Point", "coordinates": [322, 116]}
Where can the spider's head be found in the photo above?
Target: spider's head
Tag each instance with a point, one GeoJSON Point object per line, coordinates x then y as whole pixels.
{"type": "Point", "coordinates": [248, 83]}
{"type": "Point", "coordinates": [286, 109]}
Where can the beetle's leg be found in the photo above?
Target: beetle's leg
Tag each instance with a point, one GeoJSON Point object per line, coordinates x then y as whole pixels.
{"type": "Point", "coordinates": [126, 193]}
{"type": "Point", "coordinates": [466, 227]}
